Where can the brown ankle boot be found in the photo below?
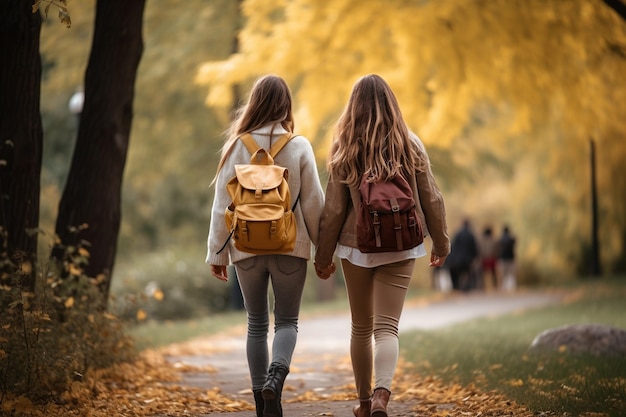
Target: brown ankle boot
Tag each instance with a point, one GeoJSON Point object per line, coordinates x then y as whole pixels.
{"type": "Point", "coordinates": [362, 410]}
{"type": "Point", "coordinates": [380, 399]}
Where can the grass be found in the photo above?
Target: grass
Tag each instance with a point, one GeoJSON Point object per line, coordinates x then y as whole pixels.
{"type": "Point", "coordinates": [493, 353]}
{"type": "Point", "coordinates": [154, 334]}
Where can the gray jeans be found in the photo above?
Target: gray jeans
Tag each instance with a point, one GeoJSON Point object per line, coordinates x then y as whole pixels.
{"type": "Point", "coordinates": [287, 275]}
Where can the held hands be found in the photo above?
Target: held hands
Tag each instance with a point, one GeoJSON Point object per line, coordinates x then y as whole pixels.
{"type": "Point", "coordinates": [436, 260]}
{"type": "Point", "coordinates": [219, 272]}
{"type": "Point", "coordinates": [325, 273]}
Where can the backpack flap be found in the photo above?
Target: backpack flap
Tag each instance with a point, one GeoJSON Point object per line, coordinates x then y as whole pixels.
{"type": "Point", "coordinates": [253, 177]}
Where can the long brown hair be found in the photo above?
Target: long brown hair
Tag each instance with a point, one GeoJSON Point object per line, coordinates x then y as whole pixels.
{"type": "Point", "coordinates": [371, 137]}
{"type": "Point", "coordinates": [269, 103]}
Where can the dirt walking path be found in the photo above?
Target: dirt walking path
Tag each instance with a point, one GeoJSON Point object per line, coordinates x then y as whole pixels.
{"type": "Point", "coordinates": [320, 381]}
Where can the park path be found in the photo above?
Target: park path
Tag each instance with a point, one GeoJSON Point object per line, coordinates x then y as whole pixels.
{"type": "Point", "coordinates": [321, 360]}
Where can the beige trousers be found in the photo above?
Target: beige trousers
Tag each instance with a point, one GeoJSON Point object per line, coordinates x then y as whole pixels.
{"type": "Point", "coordinates": [376, 296]}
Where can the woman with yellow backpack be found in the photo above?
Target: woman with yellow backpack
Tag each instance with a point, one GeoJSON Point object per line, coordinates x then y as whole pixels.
{"type": "Point", "coordinates": [252, 210]}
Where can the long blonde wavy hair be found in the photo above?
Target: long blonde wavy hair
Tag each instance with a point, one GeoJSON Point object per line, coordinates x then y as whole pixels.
{"type": "Point", "coordinates": [269, 103]}
{"type": "Point", "coordinates": [371, 137]}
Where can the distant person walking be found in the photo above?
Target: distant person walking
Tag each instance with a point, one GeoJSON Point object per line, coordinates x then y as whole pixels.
{"type": "Point", "coordinates": [267, 116]}
{"type": "Point", "coordinates": [462, 257]}
{"type": "Point", "coordinates": [488, 258]}
{"type": "Point", "coordinates": [506, 250]}
{"type": "Point", "coordinates": [372, 140]}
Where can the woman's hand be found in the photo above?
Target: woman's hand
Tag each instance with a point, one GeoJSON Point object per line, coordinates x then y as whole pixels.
{"type": "Point", "coordinates": [326, 272]}
{"type": "Point", "coordinates": [436, 260]}
{"type": "Point", "coordinates": [219, 272]}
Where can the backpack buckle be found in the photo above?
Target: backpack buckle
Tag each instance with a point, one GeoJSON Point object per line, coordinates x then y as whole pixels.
{"type": "Point", "coordinates": [395, 207]}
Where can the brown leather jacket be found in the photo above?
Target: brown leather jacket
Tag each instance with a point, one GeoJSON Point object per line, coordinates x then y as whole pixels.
{"type": "Point", "coordinates": [338, 222]}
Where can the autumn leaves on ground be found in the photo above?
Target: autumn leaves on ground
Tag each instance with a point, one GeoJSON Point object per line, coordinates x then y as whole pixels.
{"type": "Point", "coordinates": [150, 386]}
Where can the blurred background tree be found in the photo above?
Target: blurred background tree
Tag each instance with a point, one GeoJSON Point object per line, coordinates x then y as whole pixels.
{"type": "Point", "coordinates": [166, 194]}
{"type": "Point", "coordinates": [506, 95]}
{"type": "Point", "coordinates": [90, 207]}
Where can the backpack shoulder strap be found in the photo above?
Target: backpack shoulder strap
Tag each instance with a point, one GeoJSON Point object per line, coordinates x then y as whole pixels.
{"type": "Point", "coordinates": [250, 143]}
{"type": "Point", "coordinates": [280, 143]}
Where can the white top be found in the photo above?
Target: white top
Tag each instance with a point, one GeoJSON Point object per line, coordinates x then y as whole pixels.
{"type": "Point", "coordinates": [371, 260]}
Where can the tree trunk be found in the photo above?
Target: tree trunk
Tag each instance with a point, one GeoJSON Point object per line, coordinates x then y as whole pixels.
{"type": "Point", "coordinates": [90, 207]}
{"type": "Point", "coordinates": [21, 137]}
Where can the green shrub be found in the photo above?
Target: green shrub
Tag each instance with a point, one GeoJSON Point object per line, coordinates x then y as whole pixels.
{"type": "Point", "coordinates": [167, 285]}
{"type": "Point", "coordinates": [50, 338]}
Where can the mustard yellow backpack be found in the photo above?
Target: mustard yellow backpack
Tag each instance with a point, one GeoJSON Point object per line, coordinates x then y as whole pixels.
{"type": "Point", "coordinates": [260, 217]}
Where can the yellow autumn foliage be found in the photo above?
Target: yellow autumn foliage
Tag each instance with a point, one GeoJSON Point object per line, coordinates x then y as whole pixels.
{"type": "Point", "coordinates": [524, 84]}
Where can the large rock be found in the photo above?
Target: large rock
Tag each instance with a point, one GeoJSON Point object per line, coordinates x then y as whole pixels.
{"type": "Point", "coordinates": [594, 339]}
